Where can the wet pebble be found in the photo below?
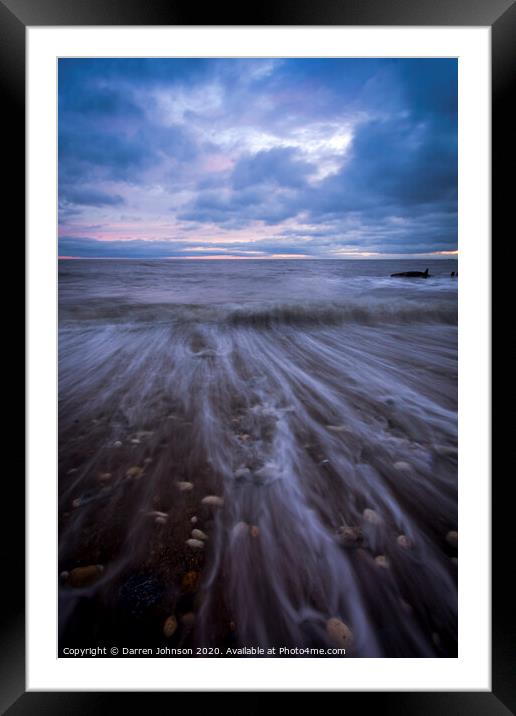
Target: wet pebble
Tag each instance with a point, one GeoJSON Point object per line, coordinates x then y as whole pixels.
{"type": "Point", "coordinates": [339, 633]}
{"type": "Point", "coordinates": [199, 534]}
{"type": "Point", "coordinates": [240, 529]}
{"type": "Point", "coordinates": [404, 542]}
{"type": "Point", "coordinates": [338, 428]}
{"type": "Point", "coordinates": [170, 626]}
{"type": "Point", "coordinates": [195, 543]}
{"type": "Point", "coordinates": [156, 513]}
{"type": "Point", "coordinates": [382, 561]}
{"type": "Point", "coordinates": [188, 619]}
{"type": "Point", "coordinates": [161, 520]}
{"type": "Point", "coordinates": [349, 535]}
{"type": "Point", "coordinates": [104, 476]}
{"type": "Point", "coordinates": [194, 520]}
{"type": "Point", "coordinates": [134, 472]}
{"type": "Point", "coordinates": [117, 443]}
{"type": "Point", "coordinates": [212, 500]}
{"type": "Point", "coordinates": [267, 473]}
{"type": "Point", "coordinates": [404, 467]}
{"type": "Point", "coordinates": [184, 486]}
{"type": "Point", "coordinates": [452, 538]}
{"type": "Point", "coordinates": [242, 473]}
{"type": "Point", "coordinates": [371, 516]}
{"type": "Point", "coordinates": [84, 576]}
{"type": "Point", "coordinates": [190, 581]}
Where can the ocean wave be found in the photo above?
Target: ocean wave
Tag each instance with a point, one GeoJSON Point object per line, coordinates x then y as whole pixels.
{"type": "Point", "coordinates": [265, 315]}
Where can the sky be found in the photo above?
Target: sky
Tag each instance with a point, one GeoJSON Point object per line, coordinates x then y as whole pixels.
{"type": "Point", "coordinates": [257, 158]}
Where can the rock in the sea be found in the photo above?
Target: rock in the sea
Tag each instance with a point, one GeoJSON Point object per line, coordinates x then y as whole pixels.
{"type": "Point", "coordinates": [161, 520]}
{"type": "Point", "coordinates": [117, 443]}
{"type": "Point", "coordinates": [190, 581]}
{"type": "Point", "coordinates": [339, 633]}
{"type": "Point", "coordinates": [194, 520]}
{"type": "Point", "coordinates": [104, 476]}
{"type": "Point", "coordinates": [452, 538]}
{"type": "Point", "coordinates": [242, 473]}
{"type": "Point", "coordinates": [212, 500]}
{"type": "Point", "coordinates": [184, 486]}
{"type": "Point", "coordinates": [254, 531]}
{"type": "Point", "coordinates": [404, 542]}
{"type": "Point", "coordinates": [170, 626]}
{"type": "Point", "coordinates": [371, 516]}
{"type": "Point", "coordinates": [199, 534]}
{"type": "Point", "coordinates": [382, 561]}
{"type": "Point", "coordinates": [64, 576]}
{"type": "Point", "coordinates": [136, 441]}
{"type": "Point", "coordinates": [134, 472]}
{"type": "Point", "coordinates": [76, 503]}
{"type": "Point", "coordinates": [349, 535]}
{"type": "Point", "coordinates": [195, 543]}
{"type": "Point", "coordinates": [84, 576]}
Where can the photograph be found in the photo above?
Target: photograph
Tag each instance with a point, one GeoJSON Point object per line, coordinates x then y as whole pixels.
{"type": "Point", "coordinates": [257, 269]}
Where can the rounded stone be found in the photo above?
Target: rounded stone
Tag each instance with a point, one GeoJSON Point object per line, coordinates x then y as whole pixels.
{"type": "Point", "coordinates": [170, 626]}
{"type": "Point", "coordinates": [84, 576]}
{"type": "Point", "coordinates": [212, 501]}
{"type": "Point", "coordinates": [404, 542]}
{"type": "Point", "coordinates": [339, 633]}
{"type": "Point", "coordinates": [371, 516]}
{"type": "Point", "coordinates": [195, 543]}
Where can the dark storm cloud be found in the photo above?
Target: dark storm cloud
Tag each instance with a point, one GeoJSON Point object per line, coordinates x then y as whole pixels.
{"type": "Point", "coordinates": [285, 156]}
{"type": "Point", "coordinates": [280, 167]}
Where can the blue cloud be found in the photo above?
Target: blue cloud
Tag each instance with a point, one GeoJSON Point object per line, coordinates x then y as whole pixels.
{"type": "Point", "coordinates": [224, 144]}
{"type": "Point", "coordinates": [86, 196]}
{"type": "Point", "coordinates": [279, 167]}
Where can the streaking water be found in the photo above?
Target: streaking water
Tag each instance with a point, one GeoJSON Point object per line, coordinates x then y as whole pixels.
{"type": "Point", "coordinates": [303, 392]}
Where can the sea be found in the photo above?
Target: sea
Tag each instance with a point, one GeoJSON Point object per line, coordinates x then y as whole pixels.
{"type": "Point", "coordinates": [316, 400]}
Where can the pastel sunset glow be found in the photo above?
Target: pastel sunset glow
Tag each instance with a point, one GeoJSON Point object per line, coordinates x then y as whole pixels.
{"type": "Point", "coordinates": [257, 158]}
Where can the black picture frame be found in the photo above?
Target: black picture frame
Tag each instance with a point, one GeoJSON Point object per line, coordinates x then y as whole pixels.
{"type": "Point", "coordinates": [500, 16]}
